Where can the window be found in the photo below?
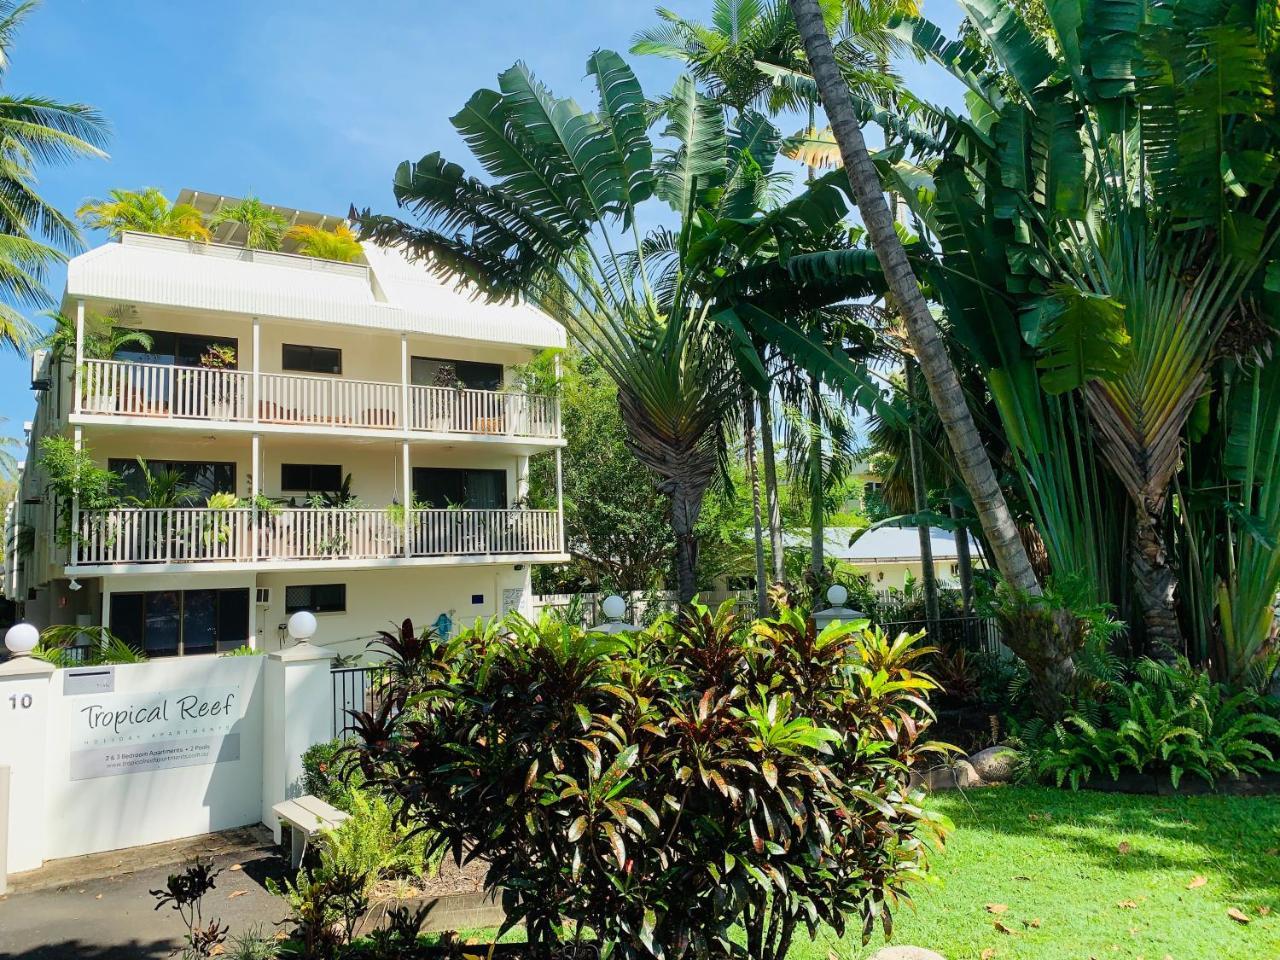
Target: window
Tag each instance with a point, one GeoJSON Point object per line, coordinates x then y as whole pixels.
{"type": "Point", "coordinates": [176, 349]}
{"type": "Point", "coordinates": [453, 487]}
{"type": "Point", "coordinates": [436, 372]}
{"type": "Point", "coordinates": [311, 477]}
{"type": "Point", "coordinates": [169, 623]}
{"type": "Point", "coordinates": [309, 359]}
{"type": "Point", "coordinates": [316, 597]}
{"type": "Point", "coordinates": [203, 477]}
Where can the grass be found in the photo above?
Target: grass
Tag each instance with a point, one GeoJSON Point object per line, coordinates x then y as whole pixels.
{"type": "Point", "coordinates": [1104, 875]}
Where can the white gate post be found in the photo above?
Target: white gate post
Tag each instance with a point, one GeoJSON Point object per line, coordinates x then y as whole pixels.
{"type": "Point", "coordinates": [297, 714]}
{"type": "Point", "coordinates": [26, 692]}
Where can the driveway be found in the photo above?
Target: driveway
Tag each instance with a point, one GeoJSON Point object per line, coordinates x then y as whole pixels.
{"type": "Point", "coordinates": [100, 907]}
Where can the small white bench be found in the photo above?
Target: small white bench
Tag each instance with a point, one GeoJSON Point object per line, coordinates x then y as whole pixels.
{"type": "Point", "coordinates": [305, 817]}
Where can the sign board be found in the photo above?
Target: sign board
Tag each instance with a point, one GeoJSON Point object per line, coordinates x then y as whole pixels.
{"type": "Point", "coordinates": [121, 733]}
{"type": "Point", "coordinates": [512, 600]}
{"type": "Point", "coordinates": [82, 680]}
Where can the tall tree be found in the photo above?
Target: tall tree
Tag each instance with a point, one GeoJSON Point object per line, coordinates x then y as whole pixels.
{"type": "Point", "coordinates": [1008, 552]}
{"type": "Point", "coordinates": [671, 317]}
{"type": "Point", "coordinates": [34, 235]}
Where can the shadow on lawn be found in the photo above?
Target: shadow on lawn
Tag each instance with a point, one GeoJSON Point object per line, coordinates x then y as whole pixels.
{"type": "Point", "coordinates": [1237, 837]}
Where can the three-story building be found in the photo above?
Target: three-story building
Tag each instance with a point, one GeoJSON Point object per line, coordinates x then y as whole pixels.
{"type": "Point", "coordinates": [351, 439]}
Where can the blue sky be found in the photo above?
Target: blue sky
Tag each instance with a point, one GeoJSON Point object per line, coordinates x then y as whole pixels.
{"type": "Point", "coordinates": [307, 104]}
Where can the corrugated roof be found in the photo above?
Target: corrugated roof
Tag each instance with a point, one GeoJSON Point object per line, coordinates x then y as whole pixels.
{"type": "Point", "coordinates": [388, 294]}
{"type": "Point", "coordinates": [884, 545]}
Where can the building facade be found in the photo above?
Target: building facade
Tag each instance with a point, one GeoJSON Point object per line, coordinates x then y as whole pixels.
{"type": "Point", "coordinates": [351, 439]}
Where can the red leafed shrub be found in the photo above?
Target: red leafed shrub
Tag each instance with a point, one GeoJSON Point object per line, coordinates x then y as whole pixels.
{"type": "Point", "coordinates": [661, 788]}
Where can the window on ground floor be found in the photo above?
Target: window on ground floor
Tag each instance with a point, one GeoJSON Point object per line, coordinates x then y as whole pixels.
{"type": "Point", "coordinates": [172, 623]}
{"type": "Point", "coordinates": [461, 487]}
{"type": "Point", "coordinates": [316, 597]}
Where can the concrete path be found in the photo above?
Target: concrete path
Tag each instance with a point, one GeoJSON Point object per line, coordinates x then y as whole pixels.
{"type": "Point", "coordinates": [100, 907]}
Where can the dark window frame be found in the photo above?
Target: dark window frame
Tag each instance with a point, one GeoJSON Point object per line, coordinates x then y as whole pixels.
{"type": "Point", "coordinates": [312, 350]}
{"type": "Point", "coordinates": [466, 372]}
{"type": "Point", "coordinates": [312, 486]}
{"type": "Point", "coordinates": [117, 465]}
{"type": "Point", "coordinates": [421, 476]}
{"type": "Point", "coordinates": [225, 599]}
{"type": "Point", "coordinates": [311, 605]}
{"type": "Point", "coordinates": [161, 337]}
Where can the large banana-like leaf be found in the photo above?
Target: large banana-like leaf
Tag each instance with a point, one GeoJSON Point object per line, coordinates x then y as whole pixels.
{"type": "Point", "coordinates": [622, 111]}
{"type": "Point", "coordinates": [698, 165]}
{"type": "Point", "coordinates": [1081, 337]}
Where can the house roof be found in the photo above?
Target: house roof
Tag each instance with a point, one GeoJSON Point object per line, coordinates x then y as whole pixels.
{"type": "Point", "coordinates": [884, 545]}
{"type": "Point", "coordinates": [388, 292]}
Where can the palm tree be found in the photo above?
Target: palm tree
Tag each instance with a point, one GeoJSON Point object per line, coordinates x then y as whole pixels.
{"type": "Point", "coordinates": [262, 227]}
{"type": "Point", "coordinates": [340, 243]}
{"type": "Point", "coordinates": [145, 211]}
{"type": "Point", "coordinates": [103, 337]}
{"type": "Point", "coordinates": [34, 235]}
{"type": "Point", "coordinates": [944, 386]}
{"type": "Point", "coordinates": [163, 489]}
{"type": "Point", "coordinates": [670, 317]}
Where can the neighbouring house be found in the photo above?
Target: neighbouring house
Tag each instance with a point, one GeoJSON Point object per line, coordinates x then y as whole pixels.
{"type": "Point", "coordinates": [270, 379]}
{"type": "Point", "coordinates": [888, 555]}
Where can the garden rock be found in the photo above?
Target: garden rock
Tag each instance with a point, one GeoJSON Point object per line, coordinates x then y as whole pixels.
{"type": "Point", "coordinates": [995, 764]}
{"type": "Point", "coordinates": [959, 775]}
{"type": "Point", "coordinates": [906, 953]}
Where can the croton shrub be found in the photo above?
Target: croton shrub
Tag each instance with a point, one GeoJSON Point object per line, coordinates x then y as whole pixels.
{"type": "Point", "coordinates": [705, 788]}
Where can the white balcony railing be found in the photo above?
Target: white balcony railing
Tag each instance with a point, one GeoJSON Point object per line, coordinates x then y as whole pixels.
{"type": "Point", "coordinates": [198, 535]}
{"type": "Point", "coordinates": [116, 387]}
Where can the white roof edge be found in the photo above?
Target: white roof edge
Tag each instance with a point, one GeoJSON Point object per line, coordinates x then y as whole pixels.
{"type": "Point", "coordinates": [167, 275]}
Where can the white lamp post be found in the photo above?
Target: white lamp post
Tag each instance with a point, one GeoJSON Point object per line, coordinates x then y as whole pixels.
{"type": "Point", "coordinates": [614, 609]}
{"type": "Point", "coordinates": [837, 596]}
{"type": "Point", "coordinates": [302, 626]}
{"type": "Point", "coordinates": [21, 639]}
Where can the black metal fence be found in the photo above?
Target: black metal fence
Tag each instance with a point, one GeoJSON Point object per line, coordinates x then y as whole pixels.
{"type": "Point", "coordinates": [967, 633]}
{"type": "Point", "coordinates": [354, 689]}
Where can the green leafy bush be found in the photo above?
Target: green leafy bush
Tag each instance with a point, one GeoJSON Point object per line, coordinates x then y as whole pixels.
{"type": "Point", "coordinates": [323, 776]}
{"type": "Point", "coordinates": [664, 788]}
{"type": "Point", "coordinates": [1169, 721]}
{"type": "Point", "coordinates": [372, 844]}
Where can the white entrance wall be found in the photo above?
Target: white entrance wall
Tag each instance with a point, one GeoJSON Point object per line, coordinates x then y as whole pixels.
{"type": "Point", "coordinates": [103, 758]}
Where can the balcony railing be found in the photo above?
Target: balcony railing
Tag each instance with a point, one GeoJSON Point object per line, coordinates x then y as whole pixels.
{"type": "Point", "coordinates": [162, 391]}
{"type": "Point", "coordinates": [140, 535]}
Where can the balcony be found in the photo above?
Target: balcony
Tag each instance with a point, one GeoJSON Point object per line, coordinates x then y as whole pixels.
{"type": "Point", "coordinates": [164, 393]}
{"type": "Point", "coordinates": [242, 536]}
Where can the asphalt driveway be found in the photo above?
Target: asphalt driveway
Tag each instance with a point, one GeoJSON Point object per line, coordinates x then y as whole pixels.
{"type": "Point", "coordinates": [100, 908]}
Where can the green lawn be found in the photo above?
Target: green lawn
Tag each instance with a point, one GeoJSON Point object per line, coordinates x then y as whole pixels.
{"type": "Point", "coordinates": [1106, 875]}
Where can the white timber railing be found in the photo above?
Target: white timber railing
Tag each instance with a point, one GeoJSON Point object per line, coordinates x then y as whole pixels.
{"type": "Point", "coordinates": [188, 535]}
{"type": "Point", "coordinates": [125, 388]}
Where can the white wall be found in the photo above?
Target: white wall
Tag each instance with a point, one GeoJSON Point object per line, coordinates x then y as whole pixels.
{"type": "Point", "coordinates": [110, 812]}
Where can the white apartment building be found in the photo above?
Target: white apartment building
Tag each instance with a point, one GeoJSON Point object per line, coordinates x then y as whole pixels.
{"type": "Point", "coordinates": [377, 370]}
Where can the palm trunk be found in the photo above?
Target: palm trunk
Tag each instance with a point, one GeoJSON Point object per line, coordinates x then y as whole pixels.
{"type": "Point", "coordinates": [686, 504]}
{"type": "Point", "coordinates": [753, 478]}
{"type": "Point", "coordinates": [817, 515]}
{"type": "Point", "coordinates": [920, 496]}
{"type": "Point", "coordinates": [965, 562]}
{"type": "Point", "coordinates": [944, 386]}
{"type": "Point", "coordinates": [771, 491]}
{"type": "Point", "coordinates": [1154, 585]}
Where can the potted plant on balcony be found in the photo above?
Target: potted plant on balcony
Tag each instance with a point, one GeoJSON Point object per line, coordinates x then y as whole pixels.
{"type": "Point", "coordinates": [224, 392]}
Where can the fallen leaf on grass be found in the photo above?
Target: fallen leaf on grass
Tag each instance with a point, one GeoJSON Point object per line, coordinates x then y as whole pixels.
{"type": "Point", "coordinates": [1033, 923]}
{"type": "Point", "coordinates": [997, 908]}
{"type": "Point", "coordinates": [988, 953]}
{"type": "Point", "coordinates": [1006, 930]}
{"type": "Point", "coordinates": [1123, 848]}
{"type": "Point", "coordinates": [1274, 852]}
{"type": "Point", "coordinates": [1197, 881]}
{"type": "Point", "coordinates": [1238, 916]}
{"type": "Point", "coordinates": [236, 893]}
{"type": "Point", "coordinates": [1021, 877]}
{"type": "Point", "coordinates": [1127, 905]}
{"type": "Point", "coordinates": [1264, 911]}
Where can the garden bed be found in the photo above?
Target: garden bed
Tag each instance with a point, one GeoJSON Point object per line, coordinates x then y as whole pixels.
{"type": "Point", "coordinates": [1188, 786]}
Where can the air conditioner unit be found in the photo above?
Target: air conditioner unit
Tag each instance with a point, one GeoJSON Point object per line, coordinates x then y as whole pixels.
{"type": "Point", "coordinates": [40, 377]}
{"type": "Point", "coordinates": [263, 595]}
